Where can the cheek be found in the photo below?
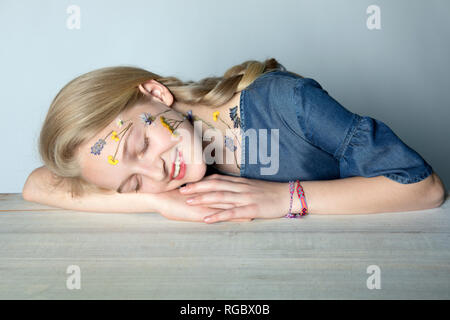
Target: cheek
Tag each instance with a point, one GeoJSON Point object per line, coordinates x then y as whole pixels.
{"type": "Point", "coordinates": [152, 189]}
{"type": "Point", "coordinates": [160, 137]}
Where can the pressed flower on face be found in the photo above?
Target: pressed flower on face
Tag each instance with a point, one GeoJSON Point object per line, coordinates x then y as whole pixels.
{"type": "Point", "coordinates": [98, 146]}
{"type": "Point", "coordinates": [189, 116]}
{"type": "Point", "coordinates": [229, 143]}
{"type": "Point", "coordinates": [147, 118]}
{"type": "Point", "coordinates": [235, 117]}
{"type": "Point", "coordinates": [166, 124]}
{"type": "Point", "coordinates": [216, 115]}
{"type": "Point", "coordinates": [171, 124]}
{"type": "Point", "coordinates": [114, 136]}
{"type": "Point", "coordinates": [112, 161]}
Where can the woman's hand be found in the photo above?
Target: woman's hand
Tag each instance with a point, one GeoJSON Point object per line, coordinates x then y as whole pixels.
{"type": "Point", "coordinates": [174, 207]}
{"type": "Point", "coordinates": [249, 198]}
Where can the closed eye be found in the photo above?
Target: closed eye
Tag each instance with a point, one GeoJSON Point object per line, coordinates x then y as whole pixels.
{"type": "Point", "coordinates": [146, 143]}
{"type": "Point", "coordinates": [138, 186]}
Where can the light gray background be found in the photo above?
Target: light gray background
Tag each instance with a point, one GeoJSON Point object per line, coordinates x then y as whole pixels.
{"type": "Point", "coordinates": [399, 74]}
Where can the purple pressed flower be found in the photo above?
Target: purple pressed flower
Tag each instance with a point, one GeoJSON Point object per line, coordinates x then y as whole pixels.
{"type": "Point", "coordinates": [237, 122]}
{"type": "Point", "coordinates": [98, 146]}
{"type": "Point", "coordinates": [147, 118]}
{"type": "Point", "coordinates": [189, 115]}
{"type": "Point", "coordinates": [229, 143]}
{"type": "Point", "coordinates": [234, 117]}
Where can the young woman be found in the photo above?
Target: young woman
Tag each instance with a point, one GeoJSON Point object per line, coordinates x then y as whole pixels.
{"type": "Point", "coordinates": [123, 139]}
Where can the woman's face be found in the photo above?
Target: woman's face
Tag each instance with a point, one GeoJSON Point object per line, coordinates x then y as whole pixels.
{"type": "Point", "coordinates": [146, 153]}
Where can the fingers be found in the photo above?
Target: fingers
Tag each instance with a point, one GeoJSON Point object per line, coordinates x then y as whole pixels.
{"type": "Point", "coordinates": [209, 185]}
{"type": "Point", "coordinates": [216, 182]}
{"type": "Point", "coordinates": [243, 212]}
{"type": "Point", "coordinates": [221, 206]}
{"type": "Point", "coordinates": [224, 177]}
{"type": "Point", "coordinates": [217, 197]}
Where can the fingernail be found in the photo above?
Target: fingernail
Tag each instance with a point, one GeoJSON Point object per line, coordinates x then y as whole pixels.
{"type": "Point", "coordinates": [207, 219]}
{"type": "Point", "coordinates": [190, 200]}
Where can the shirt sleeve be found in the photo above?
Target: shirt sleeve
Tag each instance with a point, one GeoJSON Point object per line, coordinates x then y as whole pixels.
{"type": "Point", "coordinates": [363, 146]}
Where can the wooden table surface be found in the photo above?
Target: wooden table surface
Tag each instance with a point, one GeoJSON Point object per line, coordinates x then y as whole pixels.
{"type": "Point", "coordinates": [146, 256]}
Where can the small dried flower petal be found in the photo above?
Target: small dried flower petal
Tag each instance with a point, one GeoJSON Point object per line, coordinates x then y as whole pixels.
{"type": "Point", "coordinates": [114, 136]}
{"type": "Point", "coordinates": [98, 146]}
{"type": "Point", "coordinates": [147, 118]}
{"type": "Point", "coordinates": [229, 143]}
{"type": "Point", "coordinates": [112, 161]}
{"type": "Point", "coordinates": [215, 115]}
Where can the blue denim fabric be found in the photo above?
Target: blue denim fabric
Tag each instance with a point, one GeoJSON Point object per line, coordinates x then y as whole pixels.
{"type": "Point", "coordinates": [319, 139]}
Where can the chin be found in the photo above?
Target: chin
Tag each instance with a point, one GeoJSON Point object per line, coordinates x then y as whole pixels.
{"type": "Point", "coordinates": [195, 172]}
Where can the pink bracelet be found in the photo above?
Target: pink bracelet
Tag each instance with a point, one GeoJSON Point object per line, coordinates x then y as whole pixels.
{"type": "Point", "coordinates": [301, 196]}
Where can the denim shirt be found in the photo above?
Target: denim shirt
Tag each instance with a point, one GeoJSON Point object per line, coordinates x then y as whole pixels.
{"type": "Point", "coordinates": [318, 139]}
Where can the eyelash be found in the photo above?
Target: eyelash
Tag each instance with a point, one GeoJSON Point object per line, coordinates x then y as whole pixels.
{"type": "Point", "coordinates": [145, 145]}
{"type": "Point", "coordinates": [143, 151]}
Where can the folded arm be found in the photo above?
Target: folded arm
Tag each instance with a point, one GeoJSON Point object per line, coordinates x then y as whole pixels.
{"type": "Point", "coordinates": [39, 188]}
{"type": "Point", "coordinates": [252, 198]}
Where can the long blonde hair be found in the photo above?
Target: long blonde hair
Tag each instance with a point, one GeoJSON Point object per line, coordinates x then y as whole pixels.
{"type": "Point", "coordinates": [90, 102]}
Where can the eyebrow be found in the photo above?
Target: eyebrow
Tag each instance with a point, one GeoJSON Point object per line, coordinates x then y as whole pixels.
{"type": "Point", "coordinates": [124, 156]}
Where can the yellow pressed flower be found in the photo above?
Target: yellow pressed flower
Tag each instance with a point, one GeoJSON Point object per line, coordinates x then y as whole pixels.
{"type": "Point", "coordinates": [119, 123]}
{"type": "Point", "coordinates": [165, 124]}
{"type": "Point", "coordinates": [112, 161]}
{"type": "Point", "coordinates": [215, 115]}
{"type": "Point", "coordinates": [114, 136]}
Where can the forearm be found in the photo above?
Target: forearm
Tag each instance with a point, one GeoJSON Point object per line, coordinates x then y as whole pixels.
{"type": "Point", "coordinates": [367, 195]}
{"type": "Point", "coordinates": [40, 188]}
{"type": "Point", "coordinates": [100, 202]}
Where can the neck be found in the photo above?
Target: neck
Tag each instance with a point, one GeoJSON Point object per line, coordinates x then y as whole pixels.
{"type": "Point", "coordinates": [204, 113]}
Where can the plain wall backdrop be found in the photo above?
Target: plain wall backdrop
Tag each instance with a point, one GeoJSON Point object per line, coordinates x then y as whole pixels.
{"type": "Point", "coordinates": [398, 74]}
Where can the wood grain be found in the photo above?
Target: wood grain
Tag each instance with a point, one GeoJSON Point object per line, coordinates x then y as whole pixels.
{"type": "Point", "coordinates": [145, 256]}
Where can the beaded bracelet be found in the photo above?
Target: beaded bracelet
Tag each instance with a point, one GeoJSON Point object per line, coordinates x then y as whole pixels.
{"type": "Point", "coordinates": [301, 196]}
{"type": "Point", "coordinates": [291, 190]}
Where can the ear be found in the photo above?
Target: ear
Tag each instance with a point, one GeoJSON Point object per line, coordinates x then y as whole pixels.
{"type": "Point", "coordinates": [154, 89]}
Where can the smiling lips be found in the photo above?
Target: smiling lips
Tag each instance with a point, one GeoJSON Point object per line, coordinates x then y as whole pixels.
{"type": "Point", "coordinates": [178, 167]}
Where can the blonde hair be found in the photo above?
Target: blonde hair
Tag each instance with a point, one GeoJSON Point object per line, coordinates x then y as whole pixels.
{"type": "Point", "coordinates": [90, 102]}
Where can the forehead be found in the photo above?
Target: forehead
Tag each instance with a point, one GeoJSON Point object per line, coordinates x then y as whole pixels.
{"type": "Point", "coordinates": [95, 167]}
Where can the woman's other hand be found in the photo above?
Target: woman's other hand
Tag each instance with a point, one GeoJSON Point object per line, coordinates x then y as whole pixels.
{"type": "Point", "coordinates": [244, 198]}
{"type": "Point", "coordinates": [173, 206]}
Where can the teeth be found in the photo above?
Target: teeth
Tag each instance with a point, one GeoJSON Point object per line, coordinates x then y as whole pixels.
{"type": "Point", "coordinates": [177, 167]}
{"type": "Point", "coordinates": [177, 170]}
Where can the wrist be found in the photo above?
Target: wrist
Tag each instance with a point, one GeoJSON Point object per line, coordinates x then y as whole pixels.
{"type": "Point", "coordinates": [299, 201]}
{"type": "Point", "coordinates": [284, 198]}
{"type": "Point", "coordinates": [155, 201]}
{"type": "Point", "coordinates": [296, 204]}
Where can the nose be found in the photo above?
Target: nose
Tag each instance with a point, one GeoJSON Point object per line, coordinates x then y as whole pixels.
{"type": "Point", "coordinates": [152, 166]}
